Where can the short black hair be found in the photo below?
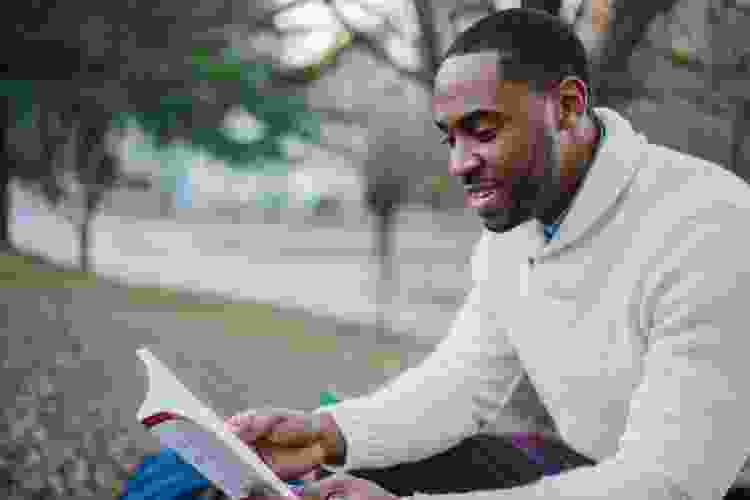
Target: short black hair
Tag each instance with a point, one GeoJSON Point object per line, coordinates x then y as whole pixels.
{"type": "Point", "coordinates": [536, 46]}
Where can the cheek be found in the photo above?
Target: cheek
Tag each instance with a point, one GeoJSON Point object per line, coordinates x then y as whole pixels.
{"type": "Point", "coordinates": [539, 153]}
{"type": "Point", "coordinates": [509, 154]}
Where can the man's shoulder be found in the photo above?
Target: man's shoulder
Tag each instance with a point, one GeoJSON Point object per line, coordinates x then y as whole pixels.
{"type": "Point", "coordinates": [678, 183]}
{"type": "Point", "coordinates": [680, 205]}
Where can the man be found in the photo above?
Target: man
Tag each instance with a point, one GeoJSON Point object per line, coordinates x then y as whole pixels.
{"type": "Point", "coordinates": [612, 272]}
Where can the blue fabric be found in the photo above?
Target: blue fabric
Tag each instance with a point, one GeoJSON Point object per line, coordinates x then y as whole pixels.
{"type": "Point", "coordinates": [550, 231]}
{"type": "Point", "coordinates": [541, 452]}
{"type": "Point", "coordinates": [164, 476]}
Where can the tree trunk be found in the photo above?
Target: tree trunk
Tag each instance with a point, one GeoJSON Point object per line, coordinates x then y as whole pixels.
{"type": "Point", "coordinates": [84, 230]}
{"type": "Point", "coordinates": [5, 177]}
{"type": "Point", "coordinates": [740, 134]}
{"type": "Point", "coordinates": [166, 204]}
{"type": "Point", "coordinates": [384, 253]}
{"type": "Point", "coordinates": [91, 203]}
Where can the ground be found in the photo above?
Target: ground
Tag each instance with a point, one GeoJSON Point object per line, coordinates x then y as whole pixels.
{"type": "Point", "coordinates": [71, 383]}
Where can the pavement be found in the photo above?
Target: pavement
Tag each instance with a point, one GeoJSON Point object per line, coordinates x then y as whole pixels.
{"type": "Point", "coordinates": [326, 270]}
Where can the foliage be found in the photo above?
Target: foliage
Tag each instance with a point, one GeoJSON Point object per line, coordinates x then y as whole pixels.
{"type": "Point", "coordinates": [280, 115]}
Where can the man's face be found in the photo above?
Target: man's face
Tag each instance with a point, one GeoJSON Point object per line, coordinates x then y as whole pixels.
{"type": "Point", "coordinates": [502, 137]}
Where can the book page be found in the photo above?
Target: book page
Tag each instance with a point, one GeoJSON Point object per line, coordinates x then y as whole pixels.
{"type": "Point", "coordinates": [181, 422]}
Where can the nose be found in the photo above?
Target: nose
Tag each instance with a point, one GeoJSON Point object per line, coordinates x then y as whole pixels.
{"type": "Point", "coordinates": [463, 160]}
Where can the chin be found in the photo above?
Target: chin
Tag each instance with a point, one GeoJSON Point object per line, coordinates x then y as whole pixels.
{"type": "Point", "coordinates": [500, 220]}
{"type": "Point", "coordinates": [497, 227]}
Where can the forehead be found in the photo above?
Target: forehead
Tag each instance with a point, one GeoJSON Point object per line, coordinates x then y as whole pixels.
{"type": "Point", "coordinates": [464, 84]}
{"type": "Point", "coordinates": [475, 67]}
{"type": "Point", "coordinates": [473, 82]}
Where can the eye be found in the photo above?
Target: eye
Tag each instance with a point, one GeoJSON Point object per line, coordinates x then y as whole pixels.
{"type": "Point", "coordinates": [487, 135]}
{"type": "Point", "coordinates": [449, 140]}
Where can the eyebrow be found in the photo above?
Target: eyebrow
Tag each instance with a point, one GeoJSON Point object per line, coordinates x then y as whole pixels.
{"type": "Point", "coordinates": [469, 121]}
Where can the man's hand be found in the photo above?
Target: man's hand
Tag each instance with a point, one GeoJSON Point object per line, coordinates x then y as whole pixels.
{"type": "Point", "coordinates": [345, 487]}
{"type": "Point", "coordinates": [292, 443]}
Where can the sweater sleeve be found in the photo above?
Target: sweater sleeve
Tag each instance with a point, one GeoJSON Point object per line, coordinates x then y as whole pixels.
{"type": "Point", "coordinates": [686, 436]}
{"type": "Point", "coordinates": [431, 407]}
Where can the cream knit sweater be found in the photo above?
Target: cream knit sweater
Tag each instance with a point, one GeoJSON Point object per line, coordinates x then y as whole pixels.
{"type": "Point", "coordinates": [631, 326]}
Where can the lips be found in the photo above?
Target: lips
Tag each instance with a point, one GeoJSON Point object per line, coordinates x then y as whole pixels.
{"type": "Point", "coordinates": [484, 194]}
{"type": "Point", "coordinates": [481, 187]}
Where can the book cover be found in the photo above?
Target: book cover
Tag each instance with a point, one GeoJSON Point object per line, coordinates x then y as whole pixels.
{"type": "Point", "coordinates": [181, 422]}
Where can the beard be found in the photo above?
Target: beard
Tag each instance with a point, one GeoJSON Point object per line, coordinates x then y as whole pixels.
{"type": "Point", "coordinates": [502, 219]}
{"type": "Point", "coordinates": [533, 195]}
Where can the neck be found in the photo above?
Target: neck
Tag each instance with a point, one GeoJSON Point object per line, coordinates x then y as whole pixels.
{"type": "Point", "coordinates": [574, 167]}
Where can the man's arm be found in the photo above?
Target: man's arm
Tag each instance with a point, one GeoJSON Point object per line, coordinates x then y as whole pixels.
{"type": "Point", "coordinates": [687, 434]}
{"type": "Point", "coordinates": [433, 406]}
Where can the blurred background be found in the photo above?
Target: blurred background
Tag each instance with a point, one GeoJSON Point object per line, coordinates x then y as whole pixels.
{"type": "Point", "coordinates": [256, 190]}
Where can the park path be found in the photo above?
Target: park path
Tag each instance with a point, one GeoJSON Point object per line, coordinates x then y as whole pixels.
{"type": "Point", "coordinates": [325, 270]}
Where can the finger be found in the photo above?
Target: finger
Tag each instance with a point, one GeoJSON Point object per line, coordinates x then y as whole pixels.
{"type": "Point", "coordinates": [292, 463]}
{"type": "Point", "coordinates": [337, 484]}
{"type": "Point", "coordinates": [256, 427]}
{"type": "Point", "coordinates": [295, 431]}
{"type": "Point", "coordinates": [238, 417]}
{"type": "Point", "coordinates": [312, 475]}
{"type": "Point", "coordinates": [255, 423]}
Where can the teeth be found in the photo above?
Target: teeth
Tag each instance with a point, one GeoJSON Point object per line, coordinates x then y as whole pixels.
{"type": "Point", "coordinates": [481, 191]}
{"type": "Point", "coordinates": [477, 189]}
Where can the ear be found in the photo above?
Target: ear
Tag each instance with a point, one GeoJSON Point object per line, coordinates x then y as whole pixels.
{"type": "Point", "coordinates": [572, 102]}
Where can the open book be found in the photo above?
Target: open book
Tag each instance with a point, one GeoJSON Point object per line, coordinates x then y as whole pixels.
{"type": "Point", "coordinates": [197, 434]}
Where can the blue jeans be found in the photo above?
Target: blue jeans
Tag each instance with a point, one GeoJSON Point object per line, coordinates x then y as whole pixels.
{"type": "Point", "coordinates": [486, 462]}
{"type": "Point", "coordinates": [482, 462]}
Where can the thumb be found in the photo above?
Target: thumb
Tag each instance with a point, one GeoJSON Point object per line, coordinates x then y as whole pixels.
{"type": "Point", "coordinates": [292, 462]}
{"type": "Point", "coordinates": [329, 488]}
{"type": "Point", "coordinates": [296, 431]}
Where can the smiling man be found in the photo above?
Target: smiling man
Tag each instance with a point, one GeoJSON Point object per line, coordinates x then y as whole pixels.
{"type": "Point", "coordinates": [613, 275]}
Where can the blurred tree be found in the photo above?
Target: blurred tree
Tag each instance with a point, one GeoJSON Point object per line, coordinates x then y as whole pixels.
{"type": "Point", "coordinates": [165, 66]}
{"type": "Point", "coordinates": [170, 70]}
{"type": "Point", "coordinates": [385, 190]}
{"type": "Point", "coordinates": [95, 173]}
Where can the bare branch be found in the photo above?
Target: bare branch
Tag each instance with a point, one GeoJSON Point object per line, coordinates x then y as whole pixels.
{"type": "Point", "coordinates": [265, 20]}
{"type": "Point", "coordinates": [428, 36]}
{"type": "Point", "coordinates": [368, 42]}
{"type": "Point", "coordinates": [424, 78]}
{"type": "Point", "coordinates": [390, 24]}
{"type": "Point", "coordinates": [477, 6]}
